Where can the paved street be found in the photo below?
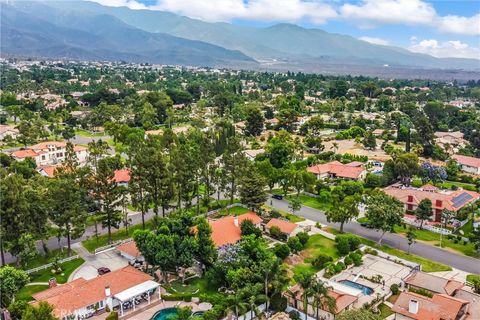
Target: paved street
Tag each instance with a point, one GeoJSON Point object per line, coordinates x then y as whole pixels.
{"type": "Point", "coordinates": [461, 262]}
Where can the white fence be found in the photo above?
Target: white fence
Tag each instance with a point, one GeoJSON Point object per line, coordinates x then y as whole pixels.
{"type": "Point", "coordinates": [112, 245]}
{"type": "Point", "coordinates": [45, 266]}
{"type": "Point", "coordinates": [417, 223]}
{"type": "Point", "coordinates": [249, 316]}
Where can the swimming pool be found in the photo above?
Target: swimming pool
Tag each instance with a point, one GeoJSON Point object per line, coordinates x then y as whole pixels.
{"type": "Point", "coordinates": [165, 314]}
{"type": "Point", "coordinates": [366, 290]}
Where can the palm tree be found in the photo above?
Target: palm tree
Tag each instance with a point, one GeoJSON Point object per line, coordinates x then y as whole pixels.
{"type": "Point", "coordinates": [305, 281]}
{"type": "Point", "coordinates": [236, 303]}
{"type": "Point", "coordinates": [321, 298]}
{"type": "Point", "coordinates": [334, 147]}
{"type": "Point", "coordinates": [252, 304]}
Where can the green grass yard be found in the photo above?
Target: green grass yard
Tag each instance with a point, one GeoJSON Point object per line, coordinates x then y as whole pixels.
{"type": "Point", "coordinates": [67, 269]}
{"type": "Point", "coordinates": [316, 245]}
{"type": "Point", "coordinates": [433, 238]}
{"type": "Point", "coordinates": [26, 292]}
{"type": "Point", "coordinates": [94, 243]}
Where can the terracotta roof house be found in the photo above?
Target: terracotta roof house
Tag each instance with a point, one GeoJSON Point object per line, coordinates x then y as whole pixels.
{"type": "Point", "coordinates": [129, 250]}
{"type": "Point", "coordinates": [227, 230]}
{"type": "Point", "coordinates": [80, 298]}
{"type": "Point", "coordinates": [441, 199]}
{"type": "Point", "coordinates": [450, 141]}
{"type": "Point", "coordinates": [335, 169]}
{"type": "Point", "coordinates": [8, 130]}
{"type": "Point", "coordinates": [286, 227]}
{"type": "Point", "coordinates": [411, 305]}
{"type": "Point", "coordinates": [468, 164]}
{"type": "Point", "coordinates": [473, 311]}
{"type": "Point", "coordinates": [122, 176]}
{"type": "Point", "coordinates": [343, 301]}
{"type": "Point", "coordinates": [49, 153]}
{"type": "Point", "coordinates": [434, 284]}
{"type": "Point", "coordinates": [47, 171]}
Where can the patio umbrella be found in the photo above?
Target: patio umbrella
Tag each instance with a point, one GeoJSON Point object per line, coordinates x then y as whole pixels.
{"type": "Point", "coordinates": [204, 306]}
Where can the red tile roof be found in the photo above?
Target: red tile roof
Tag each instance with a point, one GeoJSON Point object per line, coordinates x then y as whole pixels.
{"type": "Point", "coordinates": [225, 231]}
{"type": "Point", "coordinates": [81, 293]}
{"type": "Point", "coordinates": [434, 283]}
{"type": "Point", "coordinates": [468, 161]}
{"type": "Point", "coordinates": [441, 199]}
{"type": "Point", "coordinates": [439, 307]}
{"type": "Point", "coordinates": [286, 227]}
{"type": "Point", "coordinates": [351, 171]}
{"type": "Point", "coordinates": [49, 171]}
{"type": "Point", "coordinates": [343, 300]}
{"type": "Point", "coordinates": [122, 176]}
{"type": "Point", "coordinates": [20, 154]}
{"type": "Point", "coordinates": [129, 248]}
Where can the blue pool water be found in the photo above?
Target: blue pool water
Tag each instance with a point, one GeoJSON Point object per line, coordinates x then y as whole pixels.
{"type": "Point", "coordinates": [165, 314]}
{"type": "Point", "coordinates": [366, 290]}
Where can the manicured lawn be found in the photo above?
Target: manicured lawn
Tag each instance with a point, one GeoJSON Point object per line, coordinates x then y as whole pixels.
{"type": "Point", "coordinates": [92, 243]}
{"type": "Point", "coordinates": [385, 310]}
{"type": "Point", "coordinates": [466, 229]}
{"type": "Point", "coordinates": [313, 202]}
{"type": "Point", "coordinates": [471, 277]}
{"type": "Point", "coordinates": [88, 134]}
{"type": "Point", "coordinates": [233, 211]}
{"type": "Point", "coordinates": [26, 292]}
{"type": "Point", "coordinates": [316, 245]}
{"type": "Point", "coordinates": [67, 269]}
{"type": "Point", "coordinates": [446, 184]}
{"type": "Point", "coordinates": [287, 215]}
{"type": "Point", "coordinates": [41, 260]}
{"type": "Point", "coordinates": [195, 286]}
{"type": "Point", "coordinates": [434, 239]}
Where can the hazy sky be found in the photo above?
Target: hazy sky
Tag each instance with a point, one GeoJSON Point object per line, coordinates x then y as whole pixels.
{"type": "Point", "coordinates": [443, 28]}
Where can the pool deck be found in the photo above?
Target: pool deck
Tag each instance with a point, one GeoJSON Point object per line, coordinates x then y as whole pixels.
{"type": "Point", "coordinates": [150, 310]}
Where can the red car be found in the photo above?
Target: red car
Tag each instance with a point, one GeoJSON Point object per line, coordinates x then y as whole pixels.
{"type": "Point", "coordinates": [103, 270]}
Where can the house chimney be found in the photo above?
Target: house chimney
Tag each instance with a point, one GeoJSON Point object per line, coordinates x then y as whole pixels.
{"type": "Point", "coordinates": [413, 306]}
{"type": "Point", "coordinates": [235, 221]}
{"type": "Point", "coordinates": [107, 291]}
{"type": "Point", "coordinates": [52, 282]}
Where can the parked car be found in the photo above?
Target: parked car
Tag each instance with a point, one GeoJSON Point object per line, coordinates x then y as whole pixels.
{"type": "Point", "coordinates": [103, 270]}
{"type": "Point", "coordinates": [366, 225]}
{"type": "Point", "coordinates": [277, 196]}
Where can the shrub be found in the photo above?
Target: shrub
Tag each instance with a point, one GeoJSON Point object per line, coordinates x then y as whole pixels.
{"type": "Point", "coordinates": [278, 302]}
{"type": "Point", "coordinates": [112, 316]}
{"type": "Point", "coordinates": [347, 243]}
{"type": "Point", "coordinates": [339, 267]}
{"type": "Point", "coordinates": [275, 214]}
{"type": "Point", "coordinates": [421, 291]}
{"type": "Point", "coordinates": [294, 315]}
{"type": "Point", "coordinates": [276, 233]}
{"type": "Point", "coordinates": [321, 260]}
{"type": "Point", "coordinates": [348, 261]}
{"type": "Point", "coordinates": [395, 289]}
{"type": "Point", "coordinates": [303, 237]}
{"type": "Point", "coordinates": [294, 244]}
{"type": "Point", "coordinates": [281, 250]}
{"type": "Point", "coordinates": [356, 258]}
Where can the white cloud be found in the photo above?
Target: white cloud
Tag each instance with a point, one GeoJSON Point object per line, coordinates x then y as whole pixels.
{"type": "Point", "coordinates": [374, 40]}
{"type": "Point", "coordinates": [460, 25]}
{"type": "Point", "coordinates": [373, 13]}
{"type": "Point", "coordinates": [316, 11]}
{"type": "Point", "coordinates": [132, 4]}
{"type": "Point", "coordinates": [362, 13]}
{"type": "Point", "coordinates": [370, 13]}
{"type": "Point", "coordinates": [445, 49]}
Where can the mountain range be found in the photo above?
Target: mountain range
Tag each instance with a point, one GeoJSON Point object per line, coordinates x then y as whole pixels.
{"type": "Point", "coordinates": [89, 31]}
